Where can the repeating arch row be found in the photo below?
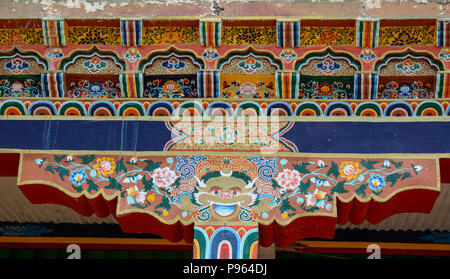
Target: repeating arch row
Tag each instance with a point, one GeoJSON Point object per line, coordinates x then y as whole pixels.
{"type": "Point", "coordinates": [217, 108]}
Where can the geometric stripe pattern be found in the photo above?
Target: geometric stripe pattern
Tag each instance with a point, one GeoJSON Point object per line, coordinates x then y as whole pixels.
{"type": "Point", "coordinates": [367, 33]}
{"type": "Point", "coordinates": [443, 33]}
{"type": "Point", "coordinates": [131, 32]}
{"type": "Point", "coordinates": [365, 85]}
{"type": "Point", "coordinates": [52, 84]}
{"type": "Point", "coordinates": [208, 84]}
{"type": "Point", "coordinates": [288, 34]}
{"type": "Point", "coordinates": [53, 31]}
{"type": "Point", "coordinates": [210, 33]}
{"type": "Point", "coordinates": [287, 84]}
{"type": "Point", "coordinates": [131, 84]}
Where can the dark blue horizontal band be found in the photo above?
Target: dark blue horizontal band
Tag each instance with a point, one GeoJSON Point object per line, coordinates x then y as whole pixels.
{"type": "Point", "coordinates": [310, 137]}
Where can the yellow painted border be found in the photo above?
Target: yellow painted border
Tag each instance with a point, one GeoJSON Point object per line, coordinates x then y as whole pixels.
{"type": "Point", "coordinates": [244, 118]}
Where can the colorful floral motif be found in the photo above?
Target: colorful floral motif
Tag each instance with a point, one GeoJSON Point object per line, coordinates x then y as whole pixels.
{"type": "Point", "coordinates": [87, 35]}
{"type": "Point", "coordinates": [95, 64]}
{"type": "Point", "coordinates": [21, 36]}
{"type": "Point", "coordinates": [25, 86]}
{"type": "Point", "coordinates": [249, 35]}
{"type": "Point", "coordinates": [55, 54]}
{"type": "Point", "coordinates": [324, 36]}
{"type": "Point", "coordinates": [249, 65]}
{"type": "Point", "coordinates": [132, 55]}
{"type": "Point", "coordinates": [94, 89]}
{"type": "Point", "coordinates": [170, 35]}
{"type": "Point", "coordinates": [445, 53]}
{"type": "Point", "coordinates": [328, 66]}
{"type": "Point", "coordinates": [318, 88]}
{"type": "Point", "coordinates": [173, 64]}
{"type": "Point", "coordinates": [248, 90]}
{"type": "Point", "coordinates": [367, 55]}
{"type": "Point", "coordinates": [210, 54]}
{"type": "Point", "coordinates": [288, 55]}
{"type": "Point", "coordinates": [17, 65]}
{"type": "Point", "coordinates": [407, 35]}
{"type": "Point", "coordinates": [408, 67]}
{"type": "Point", "coordinates": [176, 86]}
{"type": "Point", "coordinates": [237, 189]}
{"type": "Point", "coordinates": [406, 90]}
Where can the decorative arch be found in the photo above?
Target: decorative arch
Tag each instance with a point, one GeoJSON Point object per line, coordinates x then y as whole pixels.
{"type": "Point", "coordinates": [248, 74]}
{"type": "Point", "coordinates": [408, 74]}
{"type": "Point", "coordinates": [171, 73]}
{"type": "Point", "coordinates": [21, 72]}
{"type": "Point", "coordinates": [92, 73]}
{"type": "Point", "coordinates": [67, 64]}
{"type": "Point", "coordinates": [328, 74]}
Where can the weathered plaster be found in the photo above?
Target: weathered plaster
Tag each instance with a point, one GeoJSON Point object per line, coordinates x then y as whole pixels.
{"type": "Point", "coordinates": [232, 8]}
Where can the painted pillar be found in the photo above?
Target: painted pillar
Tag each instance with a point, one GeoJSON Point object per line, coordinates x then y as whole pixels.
{"type": "Point", "coordinates": [225, 241]}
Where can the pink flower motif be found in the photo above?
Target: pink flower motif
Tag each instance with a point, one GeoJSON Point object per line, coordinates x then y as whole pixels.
{"type": "Point", "coordinates": [288, 179]}
{"type": "Point", "coordinates": [16, 87]}
{"type": "Point", "coordinates": [164, 177]}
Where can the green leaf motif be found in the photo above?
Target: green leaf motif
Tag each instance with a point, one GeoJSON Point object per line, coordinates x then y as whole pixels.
{"type": "Point", "coordinates": [302, 167]}
{"type": "Point", "coordinates": [92, 186]}
{"type": "Point", "coordinates": [86, 159]}
{"type": "Point", "coordinates": [368, 164]}
{"type": "Point", "coordinates": [339, 188]}
{"type": "Point", "coordinates": [113, 184]}
{"type": "Point", "coordinates": [304, 186]}
{"type": "Point", "coordinates": [275, 184]}
{"type": "Point", "coordinates": [148, 184]}
{"type": "Point", "coordinates": [62, 172]}
{"type": "Point", "coordinates": [334, 170]}
{"type": "Point", "coordinates": [164, 204]}
{"type": "Point", "coordinates": [397, 164]}
{"type": "Point", "coordinates": [393, 178]}
{"type": "Point", "coordinates": [120, 166]}
{"type": "Point", "coordinates": [285, 206]}
{"type": "Point", "coordinates": [59, 158]}
{"type": "Point", "coordinates": [414, 169]}
{"type": "Point", "coordinates": [50, 169]}
{"type": "Point", "coordinates": [137, 205]}
{"type": "Point", "coordinates": [151, 166]}
{"type": "Point", "coordinates": [78, 189]}
{"type": "Point", "coordinates": [361, 190]}
{"type": "Point", "coordinates": [405, 175]}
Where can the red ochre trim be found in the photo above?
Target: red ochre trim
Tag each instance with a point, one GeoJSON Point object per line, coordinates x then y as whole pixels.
{"type": "Point", "coordinates": [20, 23]}
{"type": "Point", "coordinates": [407, 22]}
{"type": "Point", "coordinates": [130, 223]}
{"type": "Point", "coordinates": [9, 163]}
{"type": "Point", "coordinates": [328, 23]}
{"type": "Point", "coordinates": [170, 23]}
{"type": "Point", "coordinates": [354, 211]}
{"type": "Point", "coordinates": [248, 23]}
{"type": "Point", "coordinates": [414, 200]}
{"type": "Point", "coordinates": [444, 165]}
{"type": "Point", "coordinates": [94, 22]}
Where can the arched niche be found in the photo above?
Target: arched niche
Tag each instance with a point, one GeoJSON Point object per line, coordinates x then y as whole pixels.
{"type": "Point", "coordinates": [92, 73]}
{"type": "Point", "coordinates": [20, 73]}
{"type": "Point", "coordinates": [248, 74]}
{"type": "Point", "coordinates": [171, 73]}
{"type": "Point", "coordinates": [328, 75]}
{"type": "Point", "coordinates": [408, 75]}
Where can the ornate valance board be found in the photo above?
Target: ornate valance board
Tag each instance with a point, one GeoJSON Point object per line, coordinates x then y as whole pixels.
{"type": "Point", "coordinates": [227, 133]}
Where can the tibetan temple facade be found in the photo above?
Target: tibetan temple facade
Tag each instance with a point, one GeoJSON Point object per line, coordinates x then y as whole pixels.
{"type": "Point", "coordinates": [227, 132]}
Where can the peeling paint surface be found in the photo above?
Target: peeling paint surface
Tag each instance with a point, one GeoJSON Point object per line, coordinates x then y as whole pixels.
{"type": "Point", "coordinates": [231, 8]}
